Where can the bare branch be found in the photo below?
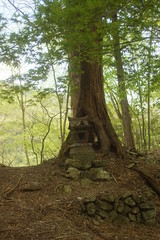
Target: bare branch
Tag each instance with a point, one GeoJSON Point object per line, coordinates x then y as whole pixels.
{"type": "Point", "coordinates": [16, 8]}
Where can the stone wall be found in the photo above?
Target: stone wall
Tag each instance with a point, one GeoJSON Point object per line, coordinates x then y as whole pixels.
{"type": "Point", "coordinates": [127, 208]}
{"type": "Point", "coordinates": [86, 167]}
{"type": "Point", "coordinates": [83, 164]}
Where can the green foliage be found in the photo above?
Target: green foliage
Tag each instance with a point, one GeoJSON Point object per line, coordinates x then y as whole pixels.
{"type": "Point", "coordinates": [11, 130]}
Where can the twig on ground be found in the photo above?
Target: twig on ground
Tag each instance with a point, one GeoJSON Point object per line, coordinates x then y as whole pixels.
{"type": "Point", "coordinates": [58, 186]}
{"type": "Point", "coordinates": [114, 178]}
{"type": "Point", "coordinates": [6, 196]}
{"type": "Point", "coordinates": [69, 205]}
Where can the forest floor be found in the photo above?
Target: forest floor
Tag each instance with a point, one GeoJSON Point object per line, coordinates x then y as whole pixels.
{"type": "Point", "coordinates": [40, 203]}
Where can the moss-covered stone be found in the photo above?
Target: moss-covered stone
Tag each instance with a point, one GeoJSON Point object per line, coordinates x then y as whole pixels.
{"type": "Point", "coordinates": [112, 215]}
{"type": "Point", "coordinates": [90, 208]}
{"type": "Point", "coordinates": [120, 207]}
{"type": "Point", "coordinates": [151, 222]}
{"type": "Point", "coordinates": [146, 205]}
{"type": "Point", "coordinates": [130, 202]}
{"type": "Point", "coordinates": [147, 215]}
{"type": "Point", "coordinates": [135, 210]}
{"type": "Point", "coordinates": [109, 197]}
{"type": "Point", "coordinates": [67, 189]}
{"type": "Point", "coordinates": [120, 219]}
{"type": "Point", "coordinates": [126, 210]}
{"type": "Point", "coordinates": [120, 210]}
{"type": "Point", "coordinates": [99, 163]}
{"type": "Point", "coordinates": [81, 164]}
{"type": "Point", "coordinates": [104, 205]}
{"type": "Point", "coordinates": [90, 199]}
{"type": "Point", "coordinates": [86, 182]}
{"type": "Point", "coordinates": [99, 174]}
{"type": "Point", "coordinates": [103, 214]}
{"type": "Point", "coordinates": [127, 194]}
{"type": "Point", "coordinates": [73, 173]}
{"type": "Point", "coordinates": [132, 217]}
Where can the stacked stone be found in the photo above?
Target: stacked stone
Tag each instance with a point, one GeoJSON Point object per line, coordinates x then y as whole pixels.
{"type": "Point", "coordinates": [125, 209]}
{"type": "Point", "coordinates": [85, 166]}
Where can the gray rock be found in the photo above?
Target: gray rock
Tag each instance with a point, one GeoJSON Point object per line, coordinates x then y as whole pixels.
{"type": "Point", "coordinates": [120, 207]}
{"type": "Point", "coordinates": [99, 218]}
{"type": "Point", "coordinates": [127, 194]}
{"type": "Point", "coordinates": [143, 199]}
{"type": "Point", "coordinates": [73, 173]}
{"type": "Point", "coordinates": [136, 198]}
{"type": "Point", "coordinates": [90, 199]}
{"type": "Point", "coordinates": [130, 202]}
{"type": "Point", "coordinates": [135, 210]}
{"type": "Point", "coordinates": [126, 210]}
{"type": "Point", "coordinates": [85, 174]}
{"type": "Point", "coordinates": [99, 163]}
{"type": "Point", "coordinates": [147, 215]}
{"type": "Point", "coordinates": [132, 217]}
{"type": "Point", "coordinates": [99, 174]}
{"type": "Point", "coordinates": [86, 182]}
{"type": "Point", "coordinates": [83, 152]}
{"type": "Point", "coordinates": [104, 205]}
{"type": "Point", "coordinates": [90, 209]}
{"type": "Point", "coordinates": [81, 164]}
{"type": "Point", "coordinates": [109, 197]}
{"type": "Point", "coordinates": [102, 213]}
{"type": "Point", "coordinates": [151, 222]}
{"type": "Point", "coordinates": [103, 175]}
{"type": "Point", "coordinates": [67, 188]}
{"type": "Point", "coordinates": [138, 218]}
{"type": "Point", "coordinates": [146, 206]}
{"type": "Point", "coordinates": [112, 215]}
{"type": "Point", "coordinates": [116, 203]}
{"type": "Point", "coordinates": [120, 219]}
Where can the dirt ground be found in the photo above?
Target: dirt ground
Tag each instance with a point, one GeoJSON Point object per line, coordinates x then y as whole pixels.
{"type": "Point", "coordinates": [35, 205]}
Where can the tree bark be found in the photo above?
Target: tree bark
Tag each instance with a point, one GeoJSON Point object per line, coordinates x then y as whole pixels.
{"type": "Point", "coordinates": [75, 93]}
{"type": "Point", "coordinates": [92, 103]}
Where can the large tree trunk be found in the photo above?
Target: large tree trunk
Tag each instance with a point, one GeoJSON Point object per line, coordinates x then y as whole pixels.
{"type": "Point", "coordinates": [92, 103]}
{"type": "Point", "coordinates": [126, 119]}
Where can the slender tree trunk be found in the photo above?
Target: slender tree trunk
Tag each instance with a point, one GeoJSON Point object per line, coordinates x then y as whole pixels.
{"type": "Point", "coordinates": [22, 102]}
{"type": "Point", "coordinates": [116, 106]}
{"type": "Point", "coordinates": [59, 97]}
{"type": "Point", "coordinates": [149, 90]}
{"type": "Point", "coordinates": [74, 82]}
{"type": "Point", "coordinates": [24, 127]}
{"type": "Point", "coordinates": [126, 119]}
{"type": "Point", "coordinates": [66, 115]}
{"type": "Point", "coordinates": [33, 149]}
{"type": "Point", "coordinates": [142, 116]}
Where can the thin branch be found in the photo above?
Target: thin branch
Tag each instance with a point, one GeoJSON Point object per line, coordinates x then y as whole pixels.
{"type": "Point", "coordinates": [16, 8]}
{"type": "Point", "coordinates": [44, 138]}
